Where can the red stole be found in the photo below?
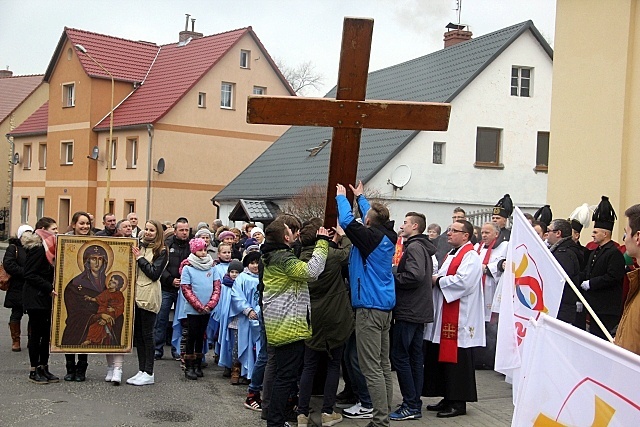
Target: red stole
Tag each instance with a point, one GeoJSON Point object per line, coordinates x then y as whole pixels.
{"type": "Point", "coordinates": [487, 255]}
{"type": "Point", "coordinates": [451, 315]}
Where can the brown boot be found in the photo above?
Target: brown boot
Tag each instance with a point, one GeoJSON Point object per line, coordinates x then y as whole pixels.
{"type": "Point", "coordinates": [14, 327]}
{"type": "Point", "coordinates": [235, 373]}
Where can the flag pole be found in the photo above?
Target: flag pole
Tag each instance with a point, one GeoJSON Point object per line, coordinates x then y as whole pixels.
{"type": "Point", "coordinates": [587, 306]}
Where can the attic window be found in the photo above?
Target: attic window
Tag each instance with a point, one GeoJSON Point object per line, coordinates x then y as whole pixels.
{"type": "Point", "coordinates": [315, 150]}
{"type": "Point", "coordinates": [245, 55]}
{"type": "Point", "coordinates": [521, 81]}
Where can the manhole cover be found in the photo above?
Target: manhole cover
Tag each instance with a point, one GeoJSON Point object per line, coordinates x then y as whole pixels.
{"type": "Point", "coordinates": [171, 416]}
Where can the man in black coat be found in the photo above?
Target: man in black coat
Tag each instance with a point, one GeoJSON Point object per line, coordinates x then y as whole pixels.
{"type": "Point", "coordinates": [569, 256]}
{"type": "Point", "coordinates": [414, 308]}
{"type": "Point", "coordinates": [602, 280]}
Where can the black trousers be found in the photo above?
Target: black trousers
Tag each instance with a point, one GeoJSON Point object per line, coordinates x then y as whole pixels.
{"type": "Point", "coordinates": [40, 321]}
{"type": "Point", "coordinates": [143, 325]}
{"type": "Point", "coordinates": [197, 327]}
{"type": "Point", "coordinates": [288, 360]}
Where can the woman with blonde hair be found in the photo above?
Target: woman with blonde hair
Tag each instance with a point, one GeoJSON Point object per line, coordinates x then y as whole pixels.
{"type": "Point", "coordinates": [151, 260]}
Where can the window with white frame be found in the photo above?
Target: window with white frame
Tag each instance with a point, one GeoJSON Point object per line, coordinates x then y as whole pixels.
{"type": "Point", "coordinates": [39, 207]}
{"type": "Point", "coordinates": [69, 95]}
{"type": "Point", "coordinates": [521, 81]}
{"type": "Point", "coordinates": [132, 153]}
{"type": "Point", "coordinates": [114, 152]}
{"type": "Point", "coordinates": [226, 95]}
{"type": "Point", "coordinates": [26, 157]}
{"type": "Point", "coordinates": [438, 153]}
{"type": "Point", "coordinates": [42, 155]}
{"type": "Point", "coordinates": [66, 153]}
{"type": "Point", "coordinates": [259, 90]}
{"type": "Point", "coordinates": [202, 100]}
{"type": "Point", "coordinates": [24, 210]}
{"type": "Point", "coordinates": [245, 56]}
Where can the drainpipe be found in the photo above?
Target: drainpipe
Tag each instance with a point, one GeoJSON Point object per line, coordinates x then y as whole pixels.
{"type": "Point", "coordinates": [13, 148]}
{"type": "Point", "coordinates": [149, 167]}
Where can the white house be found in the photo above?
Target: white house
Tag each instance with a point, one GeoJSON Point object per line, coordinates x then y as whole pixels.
{"type": "Point", "coordinates": [499, 87]}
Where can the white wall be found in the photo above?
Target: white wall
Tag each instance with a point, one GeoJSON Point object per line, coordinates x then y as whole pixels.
{"type": "Point", "coordinates": [436, 189]}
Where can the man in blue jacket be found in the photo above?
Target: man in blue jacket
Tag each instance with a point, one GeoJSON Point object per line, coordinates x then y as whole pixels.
{"type": "Point", "coordinates": [372, 292]}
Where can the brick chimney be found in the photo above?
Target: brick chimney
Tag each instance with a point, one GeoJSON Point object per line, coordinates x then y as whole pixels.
{"type": "Point", "coordinates": [186, 34]}
{"type": "Point", "coordinates": [456, 34]}
{"type": "Point", "coordinates": [6, 73]}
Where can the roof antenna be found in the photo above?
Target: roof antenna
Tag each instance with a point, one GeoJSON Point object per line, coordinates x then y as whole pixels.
{"type": "Point", "coordinates": [458, 9]}
{"type": "Point", "coordinates": [193, 24]}
{"type": "Point", "coordinates": [186, 24]}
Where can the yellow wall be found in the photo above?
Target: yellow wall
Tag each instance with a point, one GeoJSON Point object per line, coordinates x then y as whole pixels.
{"type": "Point", "coordinates": [19, 115]}
{"type": "Point", "coordinates": [595, 104]}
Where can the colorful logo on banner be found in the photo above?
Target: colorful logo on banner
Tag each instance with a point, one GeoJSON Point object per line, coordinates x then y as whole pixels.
{"type": "Point", "coordinates": [607, 403]}
{"type": "Point", "coordinates": [528, 282]}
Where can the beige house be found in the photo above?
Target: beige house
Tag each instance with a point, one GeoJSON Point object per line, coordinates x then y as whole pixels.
{"type": "Point", "coordinates": [595, 131]}
{"type": "Point", "coordinates": [179, 130]}
{"type": "Point", "coordinates": [20, 96]}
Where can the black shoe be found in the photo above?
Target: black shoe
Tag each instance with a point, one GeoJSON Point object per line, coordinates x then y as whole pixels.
{"type": "Point", "coordinates": [48, 375]}
{"type": "Point", "coordinates": [71, 372]}
{"type": "Point", "coordinates": [157, 356]}
{"type": "Point", "coordinates": [226, 373]}
{"type": "Point", "coordinates": [452, 411]}
{"type": "Point", "coordinates": [443, 405]}
{"type": "Point", "coordinates": [37, 377]}
{"type": "Point", "coordinates": [198, 368]}
{"type": "Point", "coordinates": [81, 371]}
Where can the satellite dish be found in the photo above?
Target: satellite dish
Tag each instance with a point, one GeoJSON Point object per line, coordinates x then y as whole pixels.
{"type": "Point", "coordinates": [16, 159]}
{"type": "Point", "coordinates": [94, 153]}
{"type": "Point", "coordinates": [160, 167]}
{"type": "Point", "coordinates": [400, 177]}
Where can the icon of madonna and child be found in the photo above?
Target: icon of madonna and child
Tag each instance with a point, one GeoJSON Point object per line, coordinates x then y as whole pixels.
{"type": "Point", "coordinates": [97, 301]}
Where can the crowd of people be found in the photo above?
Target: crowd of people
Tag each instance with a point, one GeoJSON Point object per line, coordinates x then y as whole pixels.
{"type": "Point", "coordinates": [291, 308]}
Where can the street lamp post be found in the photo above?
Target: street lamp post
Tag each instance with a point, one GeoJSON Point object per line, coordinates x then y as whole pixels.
{"type": "Point", "coordinates": [81, 48]}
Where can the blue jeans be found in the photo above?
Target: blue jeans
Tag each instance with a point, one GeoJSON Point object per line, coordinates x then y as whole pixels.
{"type": "Point", "coordinates": [358, 383]}
{"type": "Point", "coordinates": [406, 354]}
{"type": "Point", "coordinates": [162, 319]}
{"type": "Point", "coordinates": [261, 362]}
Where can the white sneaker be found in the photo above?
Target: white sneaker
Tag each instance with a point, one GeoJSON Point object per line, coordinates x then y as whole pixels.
{"type": "Point", "coordinates": [116, 378]}
{"type": "Point", "coordinates": [145, 379]}
{"type": "Point", "coordinates": [109, 375]}
{"type": "Point", "coordinates": [358, 412]}
{"type": "Point", "coordinates": [303, 420]}
{"type": "Point", "coordinates": [134, 378]}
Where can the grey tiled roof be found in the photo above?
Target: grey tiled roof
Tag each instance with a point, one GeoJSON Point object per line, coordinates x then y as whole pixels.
{"type": "Point", "coordinates": [286, 167]}
{"type": "Point", "coordinates": [254, 211]}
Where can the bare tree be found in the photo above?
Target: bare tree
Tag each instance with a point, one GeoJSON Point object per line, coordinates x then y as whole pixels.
{"type": "Point", "coordinates": [309, 202]}
{"type": "Point", "coordinates": [300, 77]}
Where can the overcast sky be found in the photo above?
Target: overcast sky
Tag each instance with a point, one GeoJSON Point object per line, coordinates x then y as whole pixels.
{"type": "Point", "coordinates": [293, 31]}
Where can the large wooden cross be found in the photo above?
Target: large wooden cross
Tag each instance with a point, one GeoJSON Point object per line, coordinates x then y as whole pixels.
{"type": "Point", "coordinates": [349, 112]}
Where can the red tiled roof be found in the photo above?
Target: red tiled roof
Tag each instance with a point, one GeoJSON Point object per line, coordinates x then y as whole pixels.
{"type": "Point", "coordinates": [14, 90]}
{"type": "Point", "coordinates": [127, 60]}
{"type": "Point", "coordinates": [35, 124]}
{"type": "Point", "coordinates": [174, 73]}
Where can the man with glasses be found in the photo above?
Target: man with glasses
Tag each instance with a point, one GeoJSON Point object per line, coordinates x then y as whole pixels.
{"type": "Point", "coordinates": [458, 326]}
{"type": "Point", "coordinates": [569, 256]}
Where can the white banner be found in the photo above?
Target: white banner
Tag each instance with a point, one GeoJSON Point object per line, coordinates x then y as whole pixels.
{"type": "Point", "coordinates": [532, 283]}
{"type": "Point", "coordinates": [572, 378]}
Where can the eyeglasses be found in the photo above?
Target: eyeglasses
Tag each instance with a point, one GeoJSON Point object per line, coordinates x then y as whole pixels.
{"type": "Point", "coordinates": [551, 231]}
{"type": "Point", "coordinates": [453, 230]}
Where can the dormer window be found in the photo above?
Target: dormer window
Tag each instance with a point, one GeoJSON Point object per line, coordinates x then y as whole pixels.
{"type": "Point", "coordinates": [245, 56]}
{"type": "Point", "coordinates": [521, 81]}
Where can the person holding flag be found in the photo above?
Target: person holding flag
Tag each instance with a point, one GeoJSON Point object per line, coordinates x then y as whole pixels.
{"type": "Point", "coordinates": [458, 326]}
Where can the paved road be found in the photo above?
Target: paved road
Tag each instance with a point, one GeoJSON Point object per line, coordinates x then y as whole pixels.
{"type": "Point", "coordinates": [173, 400]}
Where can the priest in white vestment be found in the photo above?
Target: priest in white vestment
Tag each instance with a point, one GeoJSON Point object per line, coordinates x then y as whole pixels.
{"type": "Point", "coordinates": [458, 326]}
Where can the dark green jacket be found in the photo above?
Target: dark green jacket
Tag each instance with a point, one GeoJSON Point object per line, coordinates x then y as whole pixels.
{"type": "Point", "coordinates": [331, 312]}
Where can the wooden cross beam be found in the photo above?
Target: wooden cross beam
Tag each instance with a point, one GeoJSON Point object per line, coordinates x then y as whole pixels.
{"type": "Point", "coordinates": [349, 113]}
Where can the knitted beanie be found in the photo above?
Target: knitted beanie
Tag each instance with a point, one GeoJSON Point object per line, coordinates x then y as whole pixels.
{"type": "Point", "coordinates": [197, 244]}
{"type": "Point", "coordinates": [235, 265]}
